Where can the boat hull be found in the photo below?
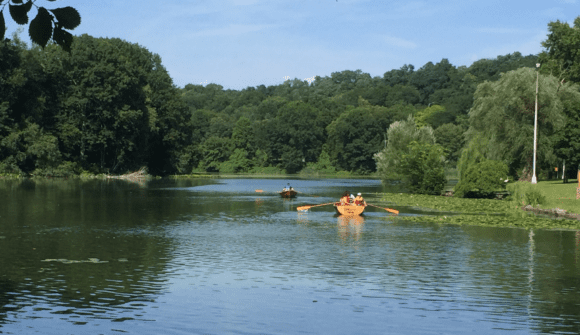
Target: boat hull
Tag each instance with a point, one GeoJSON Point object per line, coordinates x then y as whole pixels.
{"type": "Point", "coordinates": [349, 210]}
{"type": "Point", "coordinates": [288, 194]}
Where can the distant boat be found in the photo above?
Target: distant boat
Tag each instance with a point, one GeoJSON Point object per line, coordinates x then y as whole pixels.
{"type": "Point", "coordinates": [350, 209]}
{"type": "Point", "coordinates": [288, 194]}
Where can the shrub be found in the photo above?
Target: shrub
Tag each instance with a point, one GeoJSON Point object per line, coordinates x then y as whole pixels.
{"type": "Point", "coordinates": [482, 180]}
{"type": "Point", "coordinates": [524, 193]}
{"type": "Point", "coordinates": [271, 170]}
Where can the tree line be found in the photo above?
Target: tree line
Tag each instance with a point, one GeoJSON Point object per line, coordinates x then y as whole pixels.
{"type": "Point", "coordinates": [109, 106]}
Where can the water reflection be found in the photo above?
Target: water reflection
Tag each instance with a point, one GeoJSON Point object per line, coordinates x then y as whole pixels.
{"type": "Point", "coordinates": [94, 249]}
{"type": "Point", "coordinates": [214, 256]}
{"type": "Point", "coordinates": [350, 227]}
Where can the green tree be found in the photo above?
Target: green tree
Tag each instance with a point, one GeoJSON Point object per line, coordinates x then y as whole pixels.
{"type": "Point", "coordinates": [356, 135]}
{"type": "Point", "coordinates": [215, 151]}
{"type": "Point", "coordinates": [423, 168]}
{"type": "Point", "coordinates": [400, 134]}
{"type": "Point", "coordinates": [492, 69]}
{"type": "Point", "coordinates": [450, 137]}
{"type": "Point", "coordinates": [482, 179]}
{"type": "Point", "coordinates": [567, 140]}
{"type": "Point", "coordinates": [503, 113]}
{"type": "Point", "coordinates": [561, 56]}
{"type": "Point", "coordinates": [293, 138]}
{"type": "Point", "coordinates": [243, 135]}
{"type": "Point", "coordinates": [428, 115]}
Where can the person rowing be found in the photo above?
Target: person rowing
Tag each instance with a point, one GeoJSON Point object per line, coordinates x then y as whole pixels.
{"type": "Point", "coordinates": [359, 200]}
{"type": "Point", "coordinates": [345, 199]}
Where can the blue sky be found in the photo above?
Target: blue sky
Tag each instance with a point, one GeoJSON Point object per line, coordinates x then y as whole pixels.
{"type": "Point", "coordinates": [241, 43]}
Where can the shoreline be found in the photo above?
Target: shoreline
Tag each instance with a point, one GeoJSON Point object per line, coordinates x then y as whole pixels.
{"type": "Point", "coordinates": [555, 212]}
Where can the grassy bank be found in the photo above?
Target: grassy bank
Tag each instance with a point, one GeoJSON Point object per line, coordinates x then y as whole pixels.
{"type": "Point", "coordinates": [560, 195]}
{"type": "Point", "coordinates": [488, 212]}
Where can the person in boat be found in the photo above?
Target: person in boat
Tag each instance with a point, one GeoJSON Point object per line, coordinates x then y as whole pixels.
{"type": "Point", "coordinates": [345, 199]}
{"type": "Point", "coordinates": [359, 200]}
{"type": "Point", "coordinates": [352, 198]}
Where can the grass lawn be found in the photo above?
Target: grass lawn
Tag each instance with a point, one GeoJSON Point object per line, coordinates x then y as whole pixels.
{"type": "Point", "coordinates": [560, 195]}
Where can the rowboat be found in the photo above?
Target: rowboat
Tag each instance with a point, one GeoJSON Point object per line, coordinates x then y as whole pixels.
{"type": "Point", "coordinates": [349, 209]}
{"type": "Point", "coordinates": [288, 194]}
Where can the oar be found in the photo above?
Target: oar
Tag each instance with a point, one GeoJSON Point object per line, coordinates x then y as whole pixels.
{"type": "Point", "coordinates": [387, 209]}
{"type": "Point", "coordinates": [260, 191]}
{"type": "Point", "coordinates": [305, 208]}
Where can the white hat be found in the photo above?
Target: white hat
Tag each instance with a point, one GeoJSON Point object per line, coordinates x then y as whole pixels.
{"type": "Point", "coordinates": [359, 194]}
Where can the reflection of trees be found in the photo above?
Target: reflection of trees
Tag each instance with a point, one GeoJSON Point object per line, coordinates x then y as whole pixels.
{"type": "Point", "coordinates": [556, 282]}
{"type": "Point", "coordinates": [540, 282]}
{"type": "Point", "coordinates": [52, 231]}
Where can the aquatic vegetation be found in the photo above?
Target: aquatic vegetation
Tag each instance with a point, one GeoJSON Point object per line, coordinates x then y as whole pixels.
{"type": "Point", "coordinates": [450, 204]}
{"type": "Point", "coordinates": [481, 212]}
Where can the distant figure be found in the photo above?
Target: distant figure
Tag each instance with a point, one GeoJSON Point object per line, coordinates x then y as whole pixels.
{"type": "Point", "coordinates": [345, 199]}
{"type": "Point", "coordinates": [284, 189]}
{"type": "Point", "coordinates": [359, 200]}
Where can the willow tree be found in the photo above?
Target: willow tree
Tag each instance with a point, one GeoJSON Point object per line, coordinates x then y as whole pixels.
{"type": "Point", "coordinates": [503, 114]}
{"type": "Point", "coordinates": [400, 135]}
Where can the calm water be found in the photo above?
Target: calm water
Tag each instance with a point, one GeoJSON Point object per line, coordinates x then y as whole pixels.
{"type": "Point", "coordinates": [216, 257]}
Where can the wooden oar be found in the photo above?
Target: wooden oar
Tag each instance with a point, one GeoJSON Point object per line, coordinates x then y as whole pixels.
{"type": "Point", "coordinates": [260, 191]}
{"type": "Point", "coordinates": [305, 208]}
{"type": "Point", "coordinates": [387, 209]}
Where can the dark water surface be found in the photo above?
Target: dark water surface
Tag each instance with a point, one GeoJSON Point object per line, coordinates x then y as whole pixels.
{"type": "Point", "coordinates": [216, 257]}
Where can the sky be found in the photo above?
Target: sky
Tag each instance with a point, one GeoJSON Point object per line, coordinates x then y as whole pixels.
{"type": "Point", "coordinates": [242, 43]}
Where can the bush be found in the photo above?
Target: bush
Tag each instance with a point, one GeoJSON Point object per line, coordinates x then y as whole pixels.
{"type": "Point", "coordinates": [423, 168]}
{"type": "Point", "coordinates": [482, 180]}
{"type": "Point", "coordinates": [343, 174]}
{"type": "Point", "coordinates": [271, 170]}
{"type": "Point", "coordinates": [524, 193]}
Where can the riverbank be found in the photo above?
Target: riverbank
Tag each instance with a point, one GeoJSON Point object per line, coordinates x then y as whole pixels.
{"type": "Point", "coordinates": [559, 211]}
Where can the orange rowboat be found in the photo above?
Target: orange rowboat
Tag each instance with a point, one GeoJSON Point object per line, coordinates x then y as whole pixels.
{"type": "Point", "coordinates": [349, 210]}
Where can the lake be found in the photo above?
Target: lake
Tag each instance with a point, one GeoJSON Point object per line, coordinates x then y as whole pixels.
{"type": "Point", "coordinates": [213, 256]}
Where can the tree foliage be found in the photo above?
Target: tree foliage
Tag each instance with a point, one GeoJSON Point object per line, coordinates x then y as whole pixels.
{"type": "Point", "coordinates": [561, 57]}
{"type": "Point", "coordinates": [503, 113]}
{"type": "Point", "coordinates": [110, 106]}
{"type": "Point", "coordinates": [356, 135]}
{"type": "Point", "coordinates": [48, 24]}
{"type": "Point", "coordinates": [399, 136]}
{"type": "Point", "coordinates": [450, 137]}
{"type": "Point", "coordinates": [422, 167]}
{"type": "Point", "coordinates": [482, 179]}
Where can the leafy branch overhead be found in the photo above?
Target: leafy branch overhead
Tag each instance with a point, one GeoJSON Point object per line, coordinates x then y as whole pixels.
{"type": "Point", "coordinates": [47, 24]}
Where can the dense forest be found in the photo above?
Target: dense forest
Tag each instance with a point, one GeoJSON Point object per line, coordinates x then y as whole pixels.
{"type": "Point", "coordinates": [109, 106]}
